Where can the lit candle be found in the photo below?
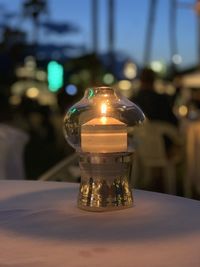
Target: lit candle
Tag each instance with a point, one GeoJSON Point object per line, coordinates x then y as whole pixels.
{"type": "Point", "coordinates": [104, 134]}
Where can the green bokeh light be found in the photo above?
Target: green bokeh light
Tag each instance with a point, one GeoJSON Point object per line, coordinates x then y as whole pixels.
{"type": "Point", "coordinates": [55, 76]}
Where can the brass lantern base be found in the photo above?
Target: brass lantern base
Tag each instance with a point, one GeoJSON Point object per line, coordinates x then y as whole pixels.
{"type": "Point", "coordinates": [105, 181]}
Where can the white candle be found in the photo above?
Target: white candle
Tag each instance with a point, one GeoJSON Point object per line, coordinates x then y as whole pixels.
{"type": "Point", "coordinates": [104, 134]}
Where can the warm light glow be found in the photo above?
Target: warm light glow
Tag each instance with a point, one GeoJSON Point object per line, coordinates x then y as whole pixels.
{"type": "Point", "coordinates": [41, 75]}
{"type": "Point", "coordinates": [183, 110]}
{"type": "Point", "coordinates": [103, 120]}
{"type": "Point", "coordinates": [130, 70]}
{"type": "Point", "coordinates": [124, 85]}
{"type": "Point", "coordinates": [157, 66]}
{"type": "Point", "coordinates": [103, 108]}
{"type": "Point", "coordinates": [103, 112]}
{"type": "Point", "coordinates": [32, 92]}
{"type": "Point", "coordinates": [104, 138]}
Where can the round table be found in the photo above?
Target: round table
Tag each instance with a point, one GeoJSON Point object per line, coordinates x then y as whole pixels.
{"type": "Point", "coordinates": [41, 226]}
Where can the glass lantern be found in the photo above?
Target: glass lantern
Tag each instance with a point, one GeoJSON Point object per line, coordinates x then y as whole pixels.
{"type": "Point", "coordinates": [99, 127]}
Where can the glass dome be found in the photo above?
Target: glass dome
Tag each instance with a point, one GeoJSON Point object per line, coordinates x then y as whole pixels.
{"type": "Point", "coordinates": [102, 121]}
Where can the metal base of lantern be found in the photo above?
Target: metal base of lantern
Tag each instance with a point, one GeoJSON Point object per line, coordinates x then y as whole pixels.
{"type": "Point", "coordinates": [105, 181]}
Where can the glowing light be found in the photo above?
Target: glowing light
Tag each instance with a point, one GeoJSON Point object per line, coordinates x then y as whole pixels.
{"type": "Point", "coordinates": [177, 59]}
{"type": "Point", "coordinates": [124, 85]}
{"type": "Point", "coordinates": [183, 110]}
{"type": "Point", "coordinates": [130, 70]}
{"type": "Point", "coordinates": [32, 92]}
{"type": "Point", "coordinates": [103, 120]}
{"type": "Point", "coordinates": [55, 76]}
{"type": "Point", "coordinates": [103, 109]}
{"type": "Point", "coordinates": [108, 78]}
{"type": "Point", "coordinates": [157, 66]}
{"type": "Point", "coordinates": [71, 89]}
{"type": "Point", "coordinates": [41, 75]}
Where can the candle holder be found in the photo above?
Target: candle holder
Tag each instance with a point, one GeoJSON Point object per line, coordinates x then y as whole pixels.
{"type": "Point", "coordinates": [100, 128]}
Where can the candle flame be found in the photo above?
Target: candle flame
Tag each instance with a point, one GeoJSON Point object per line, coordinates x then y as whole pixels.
{"type": "Point", "coordinates": [103, 108]}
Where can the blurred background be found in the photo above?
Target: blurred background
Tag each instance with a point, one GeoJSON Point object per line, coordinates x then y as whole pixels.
{"type": "Point", "coordinates": [149, 50]}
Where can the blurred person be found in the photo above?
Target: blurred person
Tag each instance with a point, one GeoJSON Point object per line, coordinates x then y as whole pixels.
{"type": "Point", "coordinates": [12, 143]}
{"type": "Point", "coordinates": [177, 83]}
{"type": "Point", "coordinates": [42, 151]}
{"type": "Point", "coordinates": [155, 106]}
{"type": "Point", "coordinates": [195, 97]}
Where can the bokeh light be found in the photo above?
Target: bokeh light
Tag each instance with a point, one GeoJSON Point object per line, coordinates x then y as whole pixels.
{"type": "Point", "coordinates": [124, 85]}
{"type": "Point", "coordinates": [130, 70]}
{"type": "Point", "coordinates": [32, 92]}
{"type": "Point", "coordinates": [71, 89]}
{"type": "Point", "coordinates": [108, 78]}
{"type": "Point", "coordinates": [41, 75]}
{"type": "Point", "coordinates": [177, 59]}
{"type": "Point", "coordinates": [158, 66]}
{"type": "Point", "coordinates": [55, 76]}
{"type": "Point", "coordinates": [183, 110]}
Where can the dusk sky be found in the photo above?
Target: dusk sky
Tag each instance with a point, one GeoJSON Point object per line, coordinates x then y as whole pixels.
{"type": "Point", "coordinates": [130, 26]}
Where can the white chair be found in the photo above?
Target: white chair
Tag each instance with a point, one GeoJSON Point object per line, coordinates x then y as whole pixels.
{"type": "Point", "coordinates": [12, 143]}
{"type": "Point", "coordinates": [65, 170]}
{"type": "Point", "coordinates": [151, 152]}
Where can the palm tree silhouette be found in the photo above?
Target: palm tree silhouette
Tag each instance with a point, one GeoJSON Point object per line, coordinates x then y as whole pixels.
{"type": "Point", "coordinates": [150, 31]}
{"type": "Point", "coordinates": [94, 23]}
{"type": "Point", "coordinates": [34, 9]}
{"type": "Point", "coordinates": [196, 7]}
{"type": "Point", "coordinates": [111, 31]}
{"type": "Point", "coordinates": [172, 31]}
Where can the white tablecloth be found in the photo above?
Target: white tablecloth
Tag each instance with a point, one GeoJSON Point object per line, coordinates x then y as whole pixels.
{"type": "Point", "coordinates": [40, 225]}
